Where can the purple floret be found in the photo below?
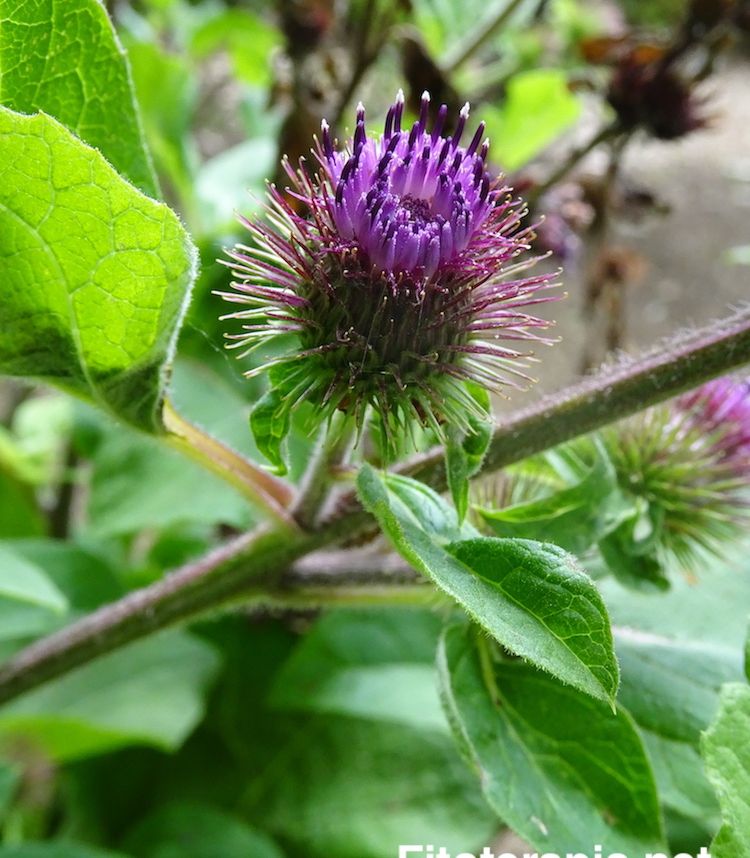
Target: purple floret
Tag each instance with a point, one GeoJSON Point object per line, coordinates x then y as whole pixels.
{"type": "Point", "coordinates": [400, 266]}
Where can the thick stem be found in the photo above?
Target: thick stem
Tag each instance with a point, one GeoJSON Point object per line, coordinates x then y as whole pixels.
{"type": "Point", "coordinates": [237, 568]}
{"type": "Point", "coordinates": [615, 391]}
{"type": "Point", "coordinates": [259, 487]}
{"type": "Point", "coordinates": [214, 580]}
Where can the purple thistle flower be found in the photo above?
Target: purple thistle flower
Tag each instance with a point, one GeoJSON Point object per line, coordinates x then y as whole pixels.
{"type": "Point", "coordinates": [720, 411]}
{"type": "Point", "coordinates": [398, 265]}
{"type": "Point", "coordinates": [690, 460]}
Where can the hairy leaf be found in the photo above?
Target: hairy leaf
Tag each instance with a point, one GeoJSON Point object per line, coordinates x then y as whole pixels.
{"type": "Point", "coordinates": [95, 276]}
{"type": "Point", "coordinates": [560, 768]}
{"type": "Point", "coordinates": [62, 57]}
{"type": "Point", "coordinates": [726, 750]}
{"type": "Point", "coordinates": [531, 597]}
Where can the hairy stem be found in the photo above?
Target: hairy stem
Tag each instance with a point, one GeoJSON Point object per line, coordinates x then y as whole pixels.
{"type": "Point", "coordinates": [262, 489]}
{"type": "Point", "coordinates": [255, 562]}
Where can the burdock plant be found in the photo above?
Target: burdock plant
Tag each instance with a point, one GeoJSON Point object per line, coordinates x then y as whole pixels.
{"type": "Point", "coordinates": [398, 263]}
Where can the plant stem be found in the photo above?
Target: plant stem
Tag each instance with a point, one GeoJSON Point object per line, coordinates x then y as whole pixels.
{"type": "Point", "coordinates": [211, 581]}
{"type": "Point", "coordinates": [261, 488]}
{"type": "Point", "coordinates": [479, 36]}
{"type": "Point", "coordinates": [577, 155]}
{"type": "Point", "coordinates": [334, 446]}
{"type": "Point", "coordinates": [255, 562]}
{"type": "Point", "coordinates": [613, 392]}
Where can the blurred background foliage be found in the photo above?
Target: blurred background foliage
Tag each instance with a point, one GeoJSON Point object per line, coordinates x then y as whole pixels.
{"type": "Point", "coordinates": [184, 732]}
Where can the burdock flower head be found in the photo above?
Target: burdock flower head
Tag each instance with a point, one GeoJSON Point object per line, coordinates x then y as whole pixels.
{"type": "Point", "coordinates": [397, 263]}
{"type": "Point", "coordinates": [690, 460]}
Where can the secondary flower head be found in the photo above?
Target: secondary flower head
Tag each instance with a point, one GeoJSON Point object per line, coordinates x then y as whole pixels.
{"type": "Point", "coordinates": [397, 263]}
{"type": "Point", "coordinates": [690, 459]}
{"type": "Point", "coordinates": [720, 411]}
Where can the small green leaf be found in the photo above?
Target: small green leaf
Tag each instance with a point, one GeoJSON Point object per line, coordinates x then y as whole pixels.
{"type": "Point", "coordinates": [560, 768]}
{"type": "Point", "coordinates": [532, 598]}
{"type": "Point", "coordinates": [574, 518]}
{"type": "Point", "coordinates": [23, 581]}
{"type": "Point", "coordinates": [62, 57]}
{"type": "Point", "coordinates": [147, 693]}
{"type": "Point", "coordinates": [95, 277]}
{"type": "Point", "coordinates": [726, 750]}
{"type": "Point", "coordinates": [248, 39]}
{"type": "Point", "coordinates": [539, 106]}
{"type": "Point", "coordinates": [270, 421]}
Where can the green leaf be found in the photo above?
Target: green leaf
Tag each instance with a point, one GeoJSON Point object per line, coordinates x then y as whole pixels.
{"type": "Point", "coordinates": [23, 581]}
{"type": "Point", "coordinates": [147, 693]}
{"type": "Point", "coordinates": [671, 687]}
{"type": "Point", "coordinates": [674, 657]}
{"type": "Point", "coordinates": [337, 789]}
{"type": "Point", "coordinates": [95, 276]}
{"type": "Point", "coordinates": [19, 513]}
{"type": "Point", "coordinates": [465, 451]}
{"type": "Point", "coordinates": [10, 778]}
{"type": "Point", "coordinates": [193, 830]}
{"type": "Point", "coordinates": [681, 778]}
{"type": "Point", "coordinates": [560, 768]}
{"type": "Point", "coordinates": [726, 750]}
{"type": "Point", "coordinates": [248, 39]}
{"type": "Point", "coordinates": [62, 57]}
{"type": "Point", "coordinates": [270, 421]}
{"type": "Point", "coordinates": [539, 106]}
{"type": "Point", "coordinates": [137, 485]}
{"type": "Point", "coordinates": [56, 849]}
{"type": "Point", "coordinates": [574, 518]}
{"type": "Point", "coordinates": [532, 598]}
{"type": "Point", "coordinates": [84, 578]}
{"type": "Point", "coordinates": [372, 664]}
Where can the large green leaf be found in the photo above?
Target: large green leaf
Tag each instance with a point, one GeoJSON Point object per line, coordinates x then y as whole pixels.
{"type": "Point", "coordinates": [62, 57]}
{"type": "Point", "coordinates": [529, 596]}
{"type": "Point", "coordinates": [539, 106]}
{"type": "Point", "coordinates": [148, 693]}
{"type": "Point", "coordinates": [351, 788]}
{"type": "Point", "coordinates": [674, 657]}
{"type": "Point", "coordinates": [95, 277]}
{"type": "Point", "coordinates": [193, 830]}
{"type": "Point", "coordinates": [372, 664]}
{"type": "Point", "coordinates": [726, 750]}
{"type": "Point", "coordinates": [560, 768]}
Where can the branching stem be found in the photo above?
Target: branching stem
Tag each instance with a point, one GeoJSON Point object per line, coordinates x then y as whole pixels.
{"type": "Point", "coordinates": [261, 488]}
{"type": "Point", "coordinates": [255, 563]}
